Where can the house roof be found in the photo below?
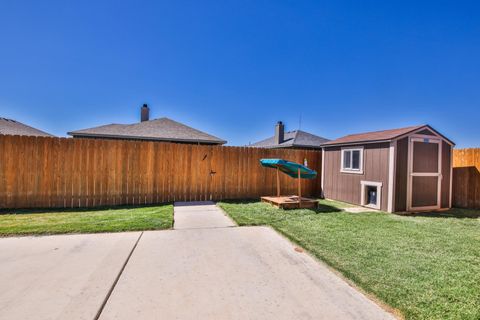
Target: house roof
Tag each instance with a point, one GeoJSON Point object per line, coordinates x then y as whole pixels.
{"type": "Point", "coordinates": [13, 127]}
{"type": "Point", "coordinates": [162, 129]}
{"type": "Point", "coordinates": [292, 139]}
{"type": "Point", "coordinates": [379, 136]}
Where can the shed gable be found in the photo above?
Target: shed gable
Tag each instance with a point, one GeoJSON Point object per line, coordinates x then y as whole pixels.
{"type": "Point", "coordinates": [426, 132]}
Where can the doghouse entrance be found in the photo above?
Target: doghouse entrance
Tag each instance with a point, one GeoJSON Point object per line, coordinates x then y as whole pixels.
{"type": "Point", "coordinates": [371, 194]}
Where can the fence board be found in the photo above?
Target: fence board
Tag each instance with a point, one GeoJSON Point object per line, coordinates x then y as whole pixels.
{"type": "Point", "coordinates": [466, 178]}
{"type": "Point", "coordinates": [61, 172]}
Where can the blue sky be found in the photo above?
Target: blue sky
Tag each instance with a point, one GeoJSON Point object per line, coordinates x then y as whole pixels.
{"type": "Point", "coordinates": [233, 68]}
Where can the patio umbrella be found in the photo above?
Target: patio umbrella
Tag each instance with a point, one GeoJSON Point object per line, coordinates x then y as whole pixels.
{"type": "Point", "coordinates": [293, 169]}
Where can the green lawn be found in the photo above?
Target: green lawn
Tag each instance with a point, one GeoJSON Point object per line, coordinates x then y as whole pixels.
{"type": "Point", "coordinates": [36, 222]}
{"type": "Point", "coordinates": [426, 266]}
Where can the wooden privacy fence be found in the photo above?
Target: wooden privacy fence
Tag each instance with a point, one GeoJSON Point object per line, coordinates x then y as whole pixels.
{"type": "Point", "coordinates": [466, 178]}
{"type": "Point", "coordinates": [65, 172]}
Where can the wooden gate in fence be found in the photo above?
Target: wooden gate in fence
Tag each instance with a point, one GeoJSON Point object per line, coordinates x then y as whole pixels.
{"type": "Point", "coordinates": [66, 172]}
{"type": "Point", "coordinates": [466, 178]}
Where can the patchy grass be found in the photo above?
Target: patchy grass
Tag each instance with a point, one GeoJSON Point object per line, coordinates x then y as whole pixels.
{"type": "Point", "coordinates": [116, 219]}
{"type": "Point", "coordinates": [426, 266]}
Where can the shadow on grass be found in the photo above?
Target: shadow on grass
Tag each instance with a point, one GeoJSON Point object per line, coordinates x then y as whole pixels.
{"type": "Point", "coordinates": [74, 210]}
{"type": "Point", "coordinates": [457, 213]}
{"type": "Point", "coordinates": [322, 208]}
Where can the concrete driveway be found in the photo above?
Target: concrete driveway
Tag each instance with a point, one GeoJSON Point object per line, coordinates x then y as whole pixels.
{"type": "Point", "coordinates": [199, 270]}
{"type": "Point", "coordinates": [60, 277]}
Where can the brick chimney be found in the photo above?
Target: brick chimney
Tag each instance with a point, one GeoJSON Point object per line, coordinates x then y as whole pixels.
{"type": "Point", "coordinates": [145, 113]}
{"type": "Point", "coordinates": [279, 132]}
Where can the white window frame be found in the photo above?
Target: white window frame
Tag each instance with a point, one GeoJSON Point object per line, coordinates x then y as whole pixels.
{"type": "Point", "coordinates": [349, 170]}
{"type": "Point", "coordinates": [363, 200]}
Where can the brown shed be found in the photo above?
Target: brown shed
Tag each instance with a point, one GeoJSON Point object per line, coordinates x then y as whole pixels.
{"type": "Point", "coordinates": [406, 169]}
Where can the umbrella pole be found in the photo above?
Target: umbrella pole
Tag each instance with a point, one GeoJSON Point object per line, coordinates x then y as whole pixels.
{"type": "Point", "coordinates": [278, 184]}
{"type": "Point", "coordinates": [299, 189]}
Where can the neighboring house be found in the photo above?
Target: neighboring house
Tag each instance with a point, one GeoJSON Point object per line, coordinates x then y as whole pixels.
{"type": "Point", "coordinates": [162, 129]}
{"type": "Point", "coordinates": [13, 127]}
{"type": "Point", "coordinates": [407, 169]}
{"type": "Point", "coordinates": [293, 139]}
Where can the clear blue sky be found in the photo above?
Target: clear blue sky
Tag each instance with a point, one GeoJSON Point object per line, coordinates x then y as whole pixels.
{"type": "Point", "coordinates": [233, 68]}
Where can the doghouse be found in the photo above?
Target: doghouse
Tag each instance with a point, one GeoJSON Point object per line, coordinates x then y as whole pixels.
{"type": "Point", "coordinates": [407, 169]}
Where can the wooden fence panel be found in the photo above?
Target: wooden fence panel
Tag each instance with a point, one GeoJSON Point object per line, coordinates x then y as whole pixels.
{"type": "Point", "coordinates": [466, 178]}
{"type": "Point", "coordinates": [60, 172]}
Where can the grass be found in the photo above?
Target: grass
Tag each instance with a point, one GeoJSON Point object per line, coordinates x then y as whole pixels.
{"type": "Point", "coordinates": [42, 222]}
{"type": "Point", "coordinates": [426, 266]}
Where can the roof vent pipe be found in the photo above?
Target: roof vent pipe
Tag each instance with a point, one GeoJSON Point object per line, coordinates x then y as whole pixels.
{"type": "Point", "coordinates": [145, 113]}
{"type": "Point", "coordinates": [279, 132]}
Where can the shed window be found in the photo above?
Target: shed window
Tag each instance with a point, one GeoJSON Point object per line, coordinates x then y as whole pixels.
{"type": "Point", "coordinates": [352, 160]}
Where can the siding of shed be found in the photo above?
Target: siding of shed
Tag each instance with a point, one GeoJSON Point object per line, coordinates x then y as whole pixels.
{"type": "Point", "coordinates": [346, 186]}
{"type": "Point", "coordinates": [401, 175]}
{"type": "Point", "coordinates": [446, 164]}
{"type": "Point", "coordinates": [426, 132]}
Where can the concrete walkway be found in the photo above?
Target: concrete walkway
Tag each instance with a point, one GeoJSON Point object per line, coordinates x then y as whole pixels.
{"type": "Point", "coordinates": [60, 277]}
{"type": "Point", "coordinates": [195, 215]}
{"type": "Point", "coordinates": [206, 268]}
{"type": "Point", "coordinates": [231, 273]}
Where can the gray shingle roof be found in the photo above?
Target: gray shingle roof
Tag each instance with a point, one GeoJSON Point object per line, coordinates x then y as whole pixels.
{"type": "Point", "coordinates": [13, 127]}
{"type": "Point", "coordinates": [293, 139]}
{"type": "Point", "coordinates": [162, 129]}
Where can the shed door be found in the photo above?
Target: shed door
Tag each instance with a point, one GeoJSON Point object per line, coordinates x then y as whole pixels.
{"type": "Point", "coordinates": [425, 174]}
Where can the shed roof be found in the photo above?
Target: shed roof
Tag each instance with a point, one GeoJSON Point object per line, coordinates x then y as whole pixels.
{"type": "Point", "coordinates": [13, 127]}
{"type": "Point", "coordinates": [163, 129]}
{"type": "Point", "coordinates": [380, 136]}
{"type": "Point", "coordinates": [292, 139]}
